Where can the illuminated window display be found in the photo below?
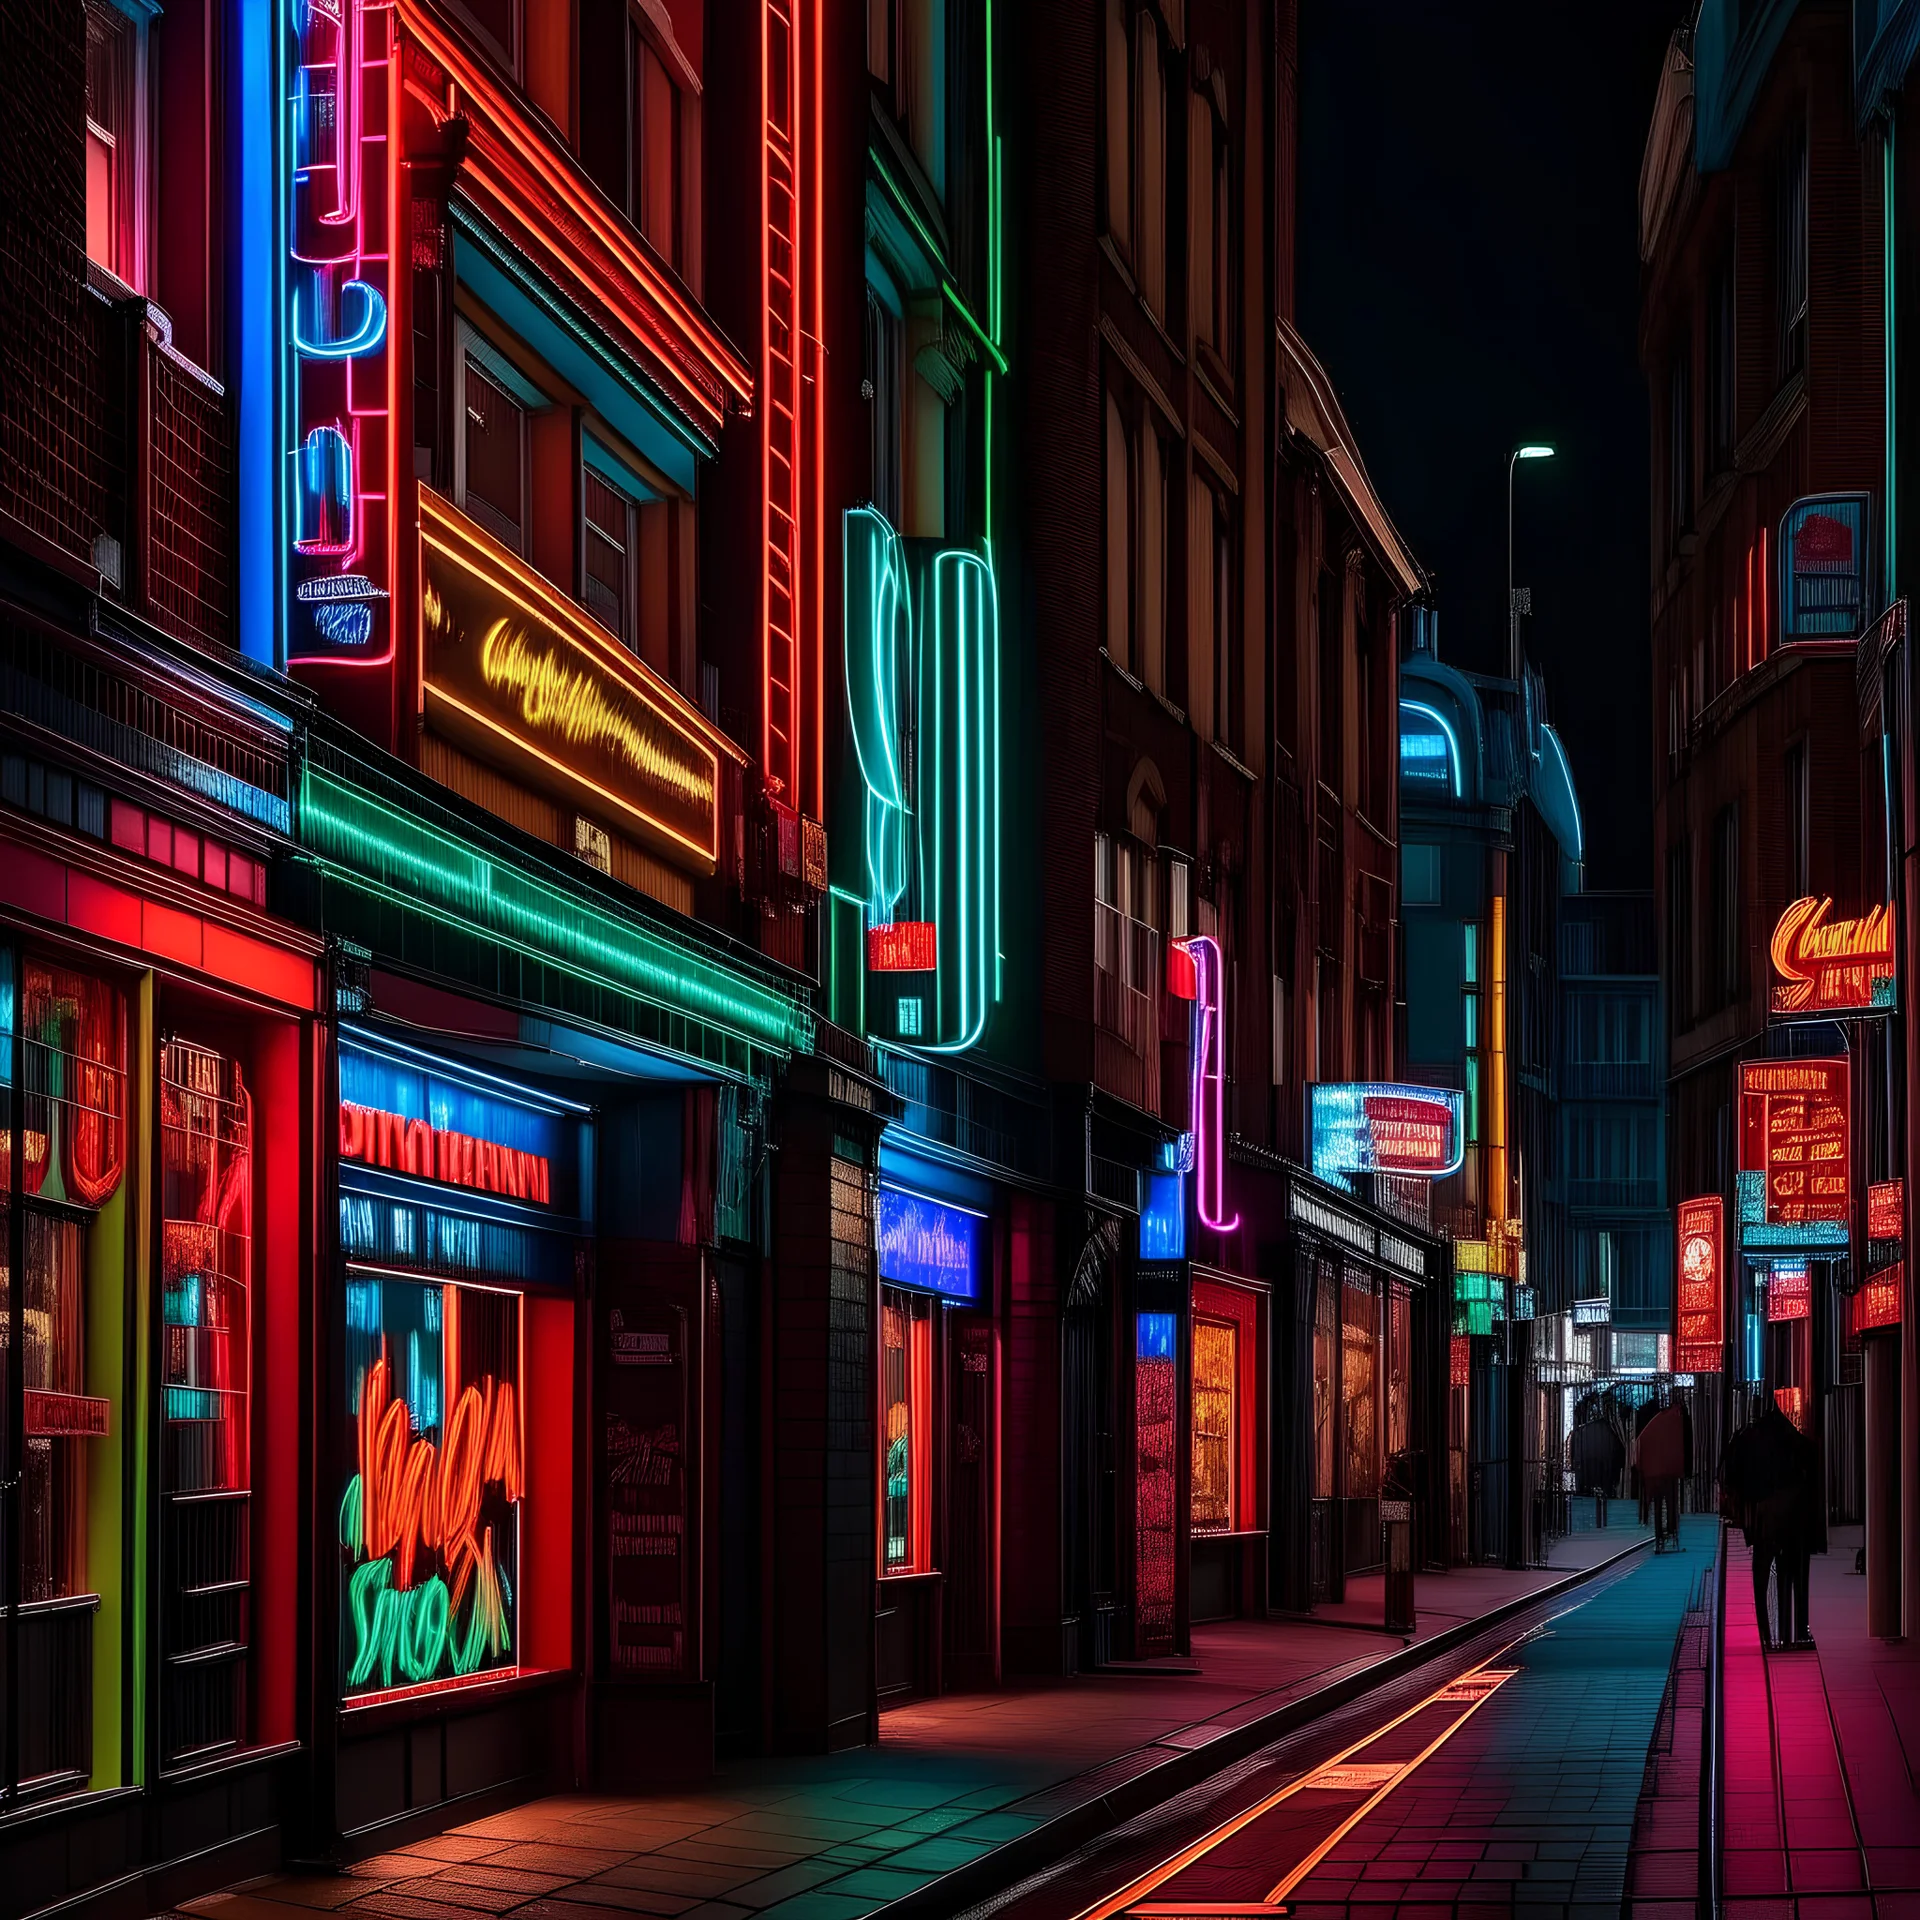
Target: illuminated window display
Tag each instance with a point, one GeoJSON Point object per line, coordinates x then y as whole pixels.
{"type": "Point", "coordinates": [906, 1404]}
{"type": "Point", "coordinates": [1216, 1378]}
{"type": "Point", "coordinates": [1359, 1384]}
{"type": "Point", "coordinates": [66, 1080]}
{"type": "Point", "coordinates": [1156, 1441]}
{"type": "Point", "coordinates": [430, 1522]}
{"type": "Point", "coordinates": [206, 1256]}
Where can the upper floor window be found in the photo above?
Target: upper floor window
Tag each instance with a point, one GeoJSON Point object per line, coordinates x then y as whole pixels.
{"type": "Point", "coordinates": [1790, 251]}
{"type": "Point", "coordinates": [609, 551]}
{"type": "Point", "coordinates": [1722, 366]}
{"type": "Point", "coordinates": [886, 370]}
{"type": "Point", "coordinates": [1680, 438]}
{"type": "Point", "coordinates": [1211, 231]}
{"type": "Point", "coordinates": [1136, 145]}
{"type": "Point", "coordinates": [499, 25]}
{"type": "Point", "coordinates": [1216, 689]}
{"type": "Point", "coordinates": [116, 125]}
{"type": "Point", "coordinates": [639, 128]}
{"type": "Point", "coordinates": [905, 44]}
{"type": "Point", "coordinates": [491, 479]}
{"type": "Point", "coordinates": [1136, 545]}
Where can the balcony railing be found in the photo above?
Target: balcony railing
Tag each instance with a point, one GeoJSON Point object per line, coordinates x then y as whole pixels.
{"type": "Point", "coordinates": [119, 455]}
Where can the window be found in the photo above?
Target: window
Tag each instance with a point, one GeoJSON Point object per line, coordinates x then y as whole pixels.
{"type": "Point", "coordinates": [1790, 252]}
{"type": "Point", "coordinates": [1326, 1348]}
{"type": "Point", "coordinates": [1215, 626]}
{"type": "Point", "coordinates": [639, 128]}
{"type": "Point", "coordinates": [1216, 1373]}
{"type": "Point", "coordinates": [1330, 614]}
{"type": "Point", "coordinates": [886, 356]}
{"type": "Point", "coordinates": [1680, 440]}
{"type": "Point", "coordinates": [1136, 146]}
{"type": "Point", "coordinates": [1359, 1383]}
{"type": "Point", "coordinates": [1119, 124]}
{"type": "Point", "coordinates": [1122, 487]}
{"type": "Point", "coordinates": [1726, 954]}
{"type": "Point", "coordinates": [1211, 235]}
{"type": "Point", "coordinates": [1799, 823]}
{"type": "Point", "coordinates": [499, 24]}
{"type": "Point", "coordinates": [116, 103]}
{"type": "Point", "coordinates": [493, 479]}
{"type": "Point", "coordinates": [434, 1383]}
{"type": "Point", "coordinates": [607, 570]}
{"type": "Point", "coordinates": [906, 1402]}
{"type": "Point", "coordinates": [429, 372]}
{"type": "Point", "coordinates": [1679, 970]}
{"type": "Point", "coordinates": [1722, 366]}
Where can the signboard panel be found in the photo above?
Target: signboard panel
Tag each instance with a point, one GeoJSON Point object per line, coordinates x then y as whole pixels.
{"type": "Point", "coordinates": [523, 678]}
{"type": "Point", "coordinates": [1362, 1127]}
{"type": "Point", "coordinates": [1790, 1291]}
{"type": "Point", "coordinates": [1877, 1304]}
{"type": "Point", "coordinates": [927, 1244]}
{"type": "Point", "coordinates": [1826, 968]}
{"type": "Point", "coordinates": [1886, 1210]}
{"type": "Point", "coordinates": [1795, 1128]}
{"type": "Point", "coordinates": [1700, 1239]}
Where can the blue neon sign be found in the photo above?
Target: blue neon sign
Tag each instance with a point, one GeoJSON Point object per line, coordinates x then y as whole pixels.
{"type": "Point", "coordinates": [929, 1245]}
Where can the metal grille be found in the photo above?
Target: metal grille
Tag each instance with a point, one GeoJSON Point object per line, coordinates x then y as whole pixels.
{"type": "Point", "coordinates": [189, 502]}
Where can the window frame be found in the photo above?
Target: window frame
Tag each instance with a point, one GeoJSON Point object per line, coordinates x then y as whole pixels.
{"type": "Point", "coordinates": [131, 156]}
{"type": "Point", "coordinates": [472, 346]}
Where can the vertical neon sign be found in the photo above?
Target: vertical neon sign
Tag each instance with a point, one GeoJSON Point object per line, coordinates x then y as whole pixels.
{"type": "Point", "coordinates": [335, 300]}
{"type": "Point", "coordinates": [1208, 1077]}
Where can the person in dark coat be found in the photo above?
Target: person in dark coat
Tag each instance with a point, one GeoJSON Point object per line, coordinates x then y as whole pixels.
{"type": "Point", "coordinates": [1662, 1460]}
{"type": "Point", "coordinates": [1597, 1456]}
{"type": "Point", "coordinates": [1770, 1486]}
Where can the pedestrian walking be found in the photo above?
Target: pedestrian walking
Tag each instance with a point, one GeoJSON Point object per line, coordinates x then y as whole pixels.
{"type": "Point", "coordinates": [1662, 1460]}
{"type": "Point", "coordinates": [1770, 1486]}
{"type": "Point", "coordinates": [1596, 1455]}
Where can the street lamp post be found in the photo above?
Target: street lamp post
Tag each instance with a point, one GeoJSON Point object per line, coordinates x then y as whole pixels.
{"type": "Point", "coordinates": [1532, 451]}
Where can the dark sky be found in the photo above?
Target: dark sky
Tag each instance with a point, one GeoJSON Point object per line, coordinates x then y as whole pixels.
{"type": "Point", "coordinates": [1469, 274]}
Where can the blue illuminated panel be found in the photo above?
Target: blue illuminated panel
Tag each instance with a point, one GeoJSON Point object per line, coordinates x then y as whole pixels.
{"type": "Point", "coordinates": [1362, 1127]}
{"type": "Point", "coordinates": [1163, 1220]}
{"type": "Point", "coordinates": [1155, 1337]}
{"type": "Point", "coordinates": [929, 1245]}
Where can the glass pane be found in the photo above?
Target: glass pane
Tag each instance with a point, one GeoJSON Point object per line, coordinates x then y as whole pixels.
{"type": "Point", "coordinates": [896, 1500]}
{"type": "Point", "coordinates": [606, 553]}
{"type": "Point", "coordinates": [1216, 1348]}
{"type": "Point", "coordinates": [496, 438]}
{"type": "Point", "coordinates": [1359, 1347]}
{"type": "Point", "coordinates": [1326, 1343]}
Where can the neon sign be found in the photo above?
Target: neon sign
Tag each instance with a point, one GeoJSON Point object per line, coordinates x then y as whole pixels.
{"type": "Point", "coordinates": [923, 664]}
{"type": "Point", "coordinates": [1827, 967]}
{"type": "Point", "coordinates": [1823, 582]}
{"type": "Point", "coordinates": [1886, 1210]}
{"type": "Point", "coordinates": [516, 671]}
{"type": "Point", "coordinates": [1207, 1073]}
{"type": "Point", "coordinates": [927, 1244]}
{"type": "Point", "coordinates": [335, 292]}
{"type": "Point", "coordinates": [1358, 1127]}
{"type": "Point", "coordinates": [1795, 1128]}
{"type": "Point", "coordinates": [379, 1139]}
{"type": "Point", "coordinates": [1163, 1219]}
{"type": "Point", "coordinates": [1789, 1291]}
{"type": "Point", "coordinates": [908, 946]}
{"type": "Point", "coordinates": [1878, 1303]}
{"type": "Point", "coordinates": [1701, 1234]}
{"type": "Point", "coordinates": [429, 1521]}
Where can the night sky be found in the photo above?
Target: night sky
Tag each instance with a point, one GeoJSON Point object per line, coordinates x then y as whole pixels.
{"type": "Point", "coordinates": [1469, 274]}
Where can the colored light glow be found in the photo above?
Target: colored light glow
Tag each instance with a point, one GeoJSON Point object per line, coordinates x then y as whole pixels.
{"type": "Point", "coordinates": [376, 1138]}
{"type": "Point", "coordinates": [1156, 1451]}
{"type": "Point", "coordinates": [1440, 720]}
{"type": "Point", "coordinates": [1789, 1291]}
{"type": "Point", "coordinates": [908, 946]}
{"type": "Point", "coordinates": [1699, 1300]}
{"type": "Point", "coordinates": [1795, 1126]}
{"type": "Point", "coordinates": [1163, 1220]}
{"type": "Point", "coordinates": [1886, 1210]}
{"type": "Point", "coordinates": [404, 860]}
{"type": "Point", "coordinates": [1207, 1075]}
{"type": "Point", "coordinates": [1827, 967]}
{"type": "Point", "coordinates": [512, 664]}
{"type": "Point", "coordinates": [1566, 772]}
{"type": "Point", "coordinates": [1821, 554]}
{"type": "Point", "coordinates": [1182, 981]}
{"type": "Point", "coordinates": [333, 293]}
{"type": "Point", "coordinates": [928, 1244]}
{"type": "Point", "coordinates": [1361, 1127]}
{"type": "Point", "coordinates": [1879, 1301]}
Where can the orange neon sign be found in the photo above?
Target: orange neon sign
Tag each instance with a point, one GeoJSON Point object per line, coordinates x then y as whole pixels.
{"type": "Point", "coordinates": [1795, 1127]}
{"type": "Point", "coordinates": [1826, 966]}
{"type": "Point", "coordinates": [1700, 1234]}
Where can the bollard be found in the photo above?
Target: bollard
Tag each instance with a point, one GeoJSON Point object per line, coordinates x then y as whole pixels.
{"type": "Point", "coordinates": [1396, 1525]}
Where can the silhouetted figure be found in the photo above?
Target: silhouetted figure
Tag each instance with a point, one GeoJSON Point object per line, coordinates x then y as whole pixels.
{"type": "Point", "coordinates": [1770, 1485]}
{"type": "Point", "coordinates": [1662, 1460]}
{"type": "Point", "coordinates": [1597, 1455]}
{"type": "Point", "coordinates": [1642, 1415]}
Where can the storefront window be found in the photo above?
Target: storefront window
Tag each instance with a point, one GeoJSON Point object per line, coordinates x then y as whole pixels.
{"type": "Point", "coordinates": [1359, 1354]}
{"type": "Point", "coordinates": [1399, 1367]}
{"type": "Point", "coordinates": [430, 1524]}
{"type": "Point", "coordinates": [906, 1395]}
{"type": "Point", "coordinates": [1216, 1375]}
{"type": "Point", "coordinates": [1156, 1407]}
{"type": "Point", "coordinates": [66, 1084]}
{"type": "Point", "coordinates": [1326, 1349]}
{"type": "Point", "coordinates": [206, 1252]}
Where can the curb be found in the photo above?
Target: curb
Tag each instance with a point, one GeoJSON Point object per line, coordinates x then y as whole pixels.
{"type": "Point", "coordinates": [1014, 1860]}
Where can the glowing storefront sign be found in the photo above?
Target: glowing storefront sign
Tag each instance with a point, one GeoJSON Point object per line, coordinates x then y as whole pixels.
{"type": "Point", "coordinates": [1163, 1218]}
{"type": "Point", "coordinates": [1698, 1297]}
{"type": "Point", "coordinates": [1795, 1128]}
{"type": "Point", "coordinates": [928, 1244]}
{"type": "Point", "coordinates": [1878, 1303]}
{"type": "Point", "coordinates": [334, 299]}
{"type": "Point", "coordinates": [923, 665]}
{"type": "Point", "coordinates": [1823, 567]}
{"type": "Point", "coordinates": [1208, 1082]}
{"type": "Point", "coordinates": [1358, 1127]}
{"type": "Point", "coordinates": [1825, 967]}
{"type": "Point", "coordinates": [380, 1139]}
{"type": "Point", "coordinates": [908, 946]}
{"type": "Point", "coordinates": [1886, 1210]}
{"type": "Point", "coordinates": [519, 673]}
{"type": "Point", "coordinates": [1789, 1290]}
{"type": "Point", "coordinates": [1592, 1313]}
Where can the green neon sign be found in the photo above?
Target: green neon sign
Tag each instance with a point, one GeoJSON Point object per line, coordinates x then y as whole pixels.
{"type": "Point", "coordinates": [413, 864]}
{"type": "Point", "coordinates": [923, 692]}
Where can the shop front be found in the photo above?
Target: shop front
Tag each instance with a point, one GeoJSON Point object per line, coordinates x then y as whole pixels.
{"type": "Point", "coordinates": [158, 1057]}
{"type": "Point", "coordinates": [1227, 1422]}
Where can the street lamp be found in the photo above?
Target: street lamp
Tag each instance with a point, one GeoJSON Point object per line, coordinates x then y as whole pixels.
{"type": "Point", "coordinates": [1532, 451]}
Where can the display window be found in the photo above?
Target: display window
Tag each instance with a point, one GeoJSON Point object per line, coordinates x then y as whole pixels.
{"type": "Point", "coordinates": [1156, 1406]}
{"type": "Point", "coordinates": [62, 1306]}
{"type": "Point", "coordinates": [1360, 1383]}
{"type": "Point", "coordinates": [906, 1400]}
{"type": "Point", "coordinates": [1227, 1415]}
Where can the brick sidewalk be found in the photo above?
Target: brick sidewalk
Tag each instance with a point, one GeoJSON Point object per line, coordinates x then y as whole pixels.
{"type": "Point", "coordinates": [835, 1837]}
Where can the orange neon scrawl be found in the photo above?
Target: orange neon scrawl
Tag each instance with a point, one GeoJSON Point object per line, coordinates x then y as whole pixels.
{"type": "Point", "coordinates": [1345, 1773]}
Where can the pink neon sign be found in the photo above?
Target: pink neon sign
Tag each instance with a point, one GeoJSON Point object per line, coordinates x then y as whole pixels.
{"type": "Point", "coordinates": [1209, 1082]}
{"type": "Point", "coordinates": [338, 283]}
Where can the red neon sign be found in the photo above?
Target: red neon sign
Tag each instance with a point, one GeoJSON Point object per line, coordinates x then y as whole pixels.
{"type": "Point", "coordinates": [1877, 1304]}
{"type": "Point", "coordinates": [1886, 1210]}
{"type": "Point", "coordinates": [1697, 1296]}
{"type": "Point", "coordinates": [1410, 1135]}
{"type": "Point", "coordinates": [1795, 1127]}
{"type": "Point", "coordinates": [376, 1138]}
{"type": "Point", "coordinates": [67, 1416]}
{"type": "Point", "coordinates": [1460, 1360]}
{"type": "Point", "coordinates": [1832, 966]}
{"type": "Point", "coordinates": [908, 946]}
{"type": "Point", "coordinates": [1790, 1292]}
{"type": "Point", "coordinates": [1183, 977]}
